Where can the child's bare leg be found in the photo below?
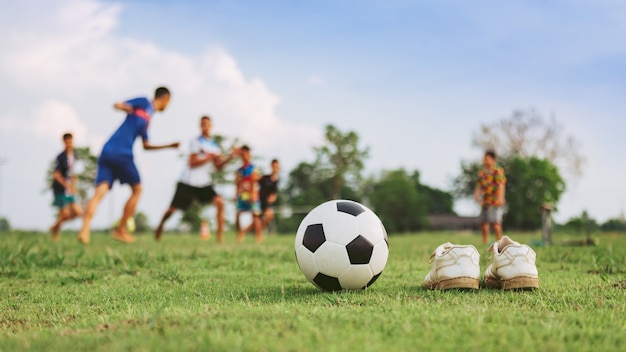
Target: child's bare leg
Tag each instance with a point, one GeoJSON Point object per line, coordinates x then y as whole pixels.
{"type": "Point", "coordinates": [241, 232]}
{"type": "Point", "coordinates": [75, 211]}
{"type": "Point", "coordinates": [268, 216]}
{"type": "Point", "coordinates": [56, 227]}
{"type": "Point", "coordinates": [219, 218]}
{"type": "Point", "coordinates": [497, 229]}
{"type": "Point", "coordinates": [484, 229]}
{"type": "Point", "coordinates": [159, 231]}
{"type": "Point", "coordinates": [90, 210]}
{"type": "Point", "coordinates": [129, 211]}
{"type": "Point", "coordinates": [257, 224]}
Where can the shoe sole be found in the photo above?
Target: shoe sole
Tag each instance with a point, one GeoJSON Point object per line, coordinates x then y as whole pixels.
{"type": "Point", "coordinates": [457, 282]}
{"type": "Point", "coordinates": [516, 283]}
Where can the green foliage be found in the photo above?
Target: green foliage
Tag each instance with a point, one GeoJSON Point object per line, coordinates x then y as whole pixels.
{"type": "Point", "coordinates": [141, 222]}
{"type": "Point", "coordinates": [182, 294]}
{"type": "Point", "coordinates": [192, 217]}
{"type": "Point", "coordinates": [340, 160]}
{"type": "Point", "coordinates": [335, 174]}
{"type": "Point", "coordinates": [584, 224]}
{"type": "Point", "coordinates": [87, 177]}
{"type": "Point", "coordinates": [614, 225]}
{"type": "Point", "coordinates": [397, 201]}
{"type": "Point", "coordinates": [531, 183]}
{"type": "Point", "coordinates": [465, 183]}
{"type": "Point", "coordinates": [5, 226]}
{"type": "Point", "coordinates": [226, 174]}
{"type": "Point", "coordinates": [435, 200]}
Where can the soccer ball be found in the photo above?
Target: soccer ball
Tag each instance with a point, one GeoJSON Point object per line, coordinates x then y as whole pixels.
{"type": "Point", "coordinates": [341, 245]}
{"type": "Point", "coordinates": [130, 224]}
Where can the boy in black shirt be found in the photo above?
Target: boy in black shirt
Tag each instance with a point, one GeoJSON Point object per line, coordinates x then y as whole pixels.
{"type": "Point", "coordinates": [63, 186]}
{"type": "Point", "coordinates": [269, 193]}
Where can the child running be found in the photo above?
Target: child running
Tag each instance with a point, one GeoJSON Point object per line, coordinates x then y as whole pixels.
{"type": "Point", "coordinates": [195, 183]}
{"type": "Point", "coordinates": [116, 160]}
{"type": "Point", "coordinates": [63, 186]}
{"type": "Point", "coordinates": [247, 183]}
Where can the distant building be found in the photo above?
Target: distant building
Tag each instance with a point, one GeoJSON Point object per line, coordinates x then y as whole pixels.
{"type": "Point", "coordinates": [453, 222]}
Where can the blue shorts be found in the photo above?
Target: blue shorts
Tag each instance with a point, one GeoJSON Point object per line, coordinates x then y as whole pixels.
{"type": "Point", "coordinates": [62, 200]}
{"type": "Point", "coordinates": [115, 167]}
{"type": "Point", "coordinates": [253, 206]}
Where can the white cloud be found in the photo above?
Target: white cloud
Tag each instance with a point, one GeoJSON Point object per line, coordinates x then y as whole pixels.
{"type": "Point", "coordinates": [68, 62]}
{"type": "Point", "coordinates": [56, 117]}
{"type": "Point", "coordinates": [316, 81]}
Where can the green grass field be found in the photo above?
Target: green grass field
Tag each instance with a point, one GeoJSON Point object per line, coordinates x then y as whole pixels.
{"type": "Point", "coordinates": [186, 294]}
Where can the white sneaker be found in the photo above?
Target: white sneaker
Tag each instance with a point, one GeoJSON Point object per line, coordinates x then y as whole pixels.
{"type": "Point", "coordinates": [454, 266]}
{"type": "Point", "coordinates": [513, 266]}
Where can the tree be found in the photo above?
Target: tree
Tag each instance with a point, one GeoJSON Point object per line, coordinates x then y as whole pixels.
{"type": "Point", "coordinates": [84, 170]}
{"type": "Point", "coordinates": [614, 225]}
{"type": "Point", "coordinates": [192, 217]}
{"type": "Point", "coordinates": [307, 188]}
{"type": "Point", "coordinates": [527, 133]}
{"type": "Point", "coordinates": [531, 183]}
{"type": "Point", "coordinates": [141, 222]}
{"type": "Point", "coordinates": [396, 200]}
{"type": "Point", "coordinates": [5, 226]}
{"type": "Point", "coordinates": [436, 201]}
{"type": "Point", "coordinates": [582, 224]}
{"type": "Point", "coordinates": [335, 173]}
{"type": "Point", "coordinates": [340, 159]}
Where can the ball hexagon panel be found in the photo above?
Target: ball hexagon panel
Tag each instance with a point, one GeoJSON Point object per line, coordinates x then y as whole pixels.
{"type": "Point", "coordinates": [379, 257]}
{"type": "Point", "coordinates": [359, 250]}
{"type": "Point", "coordinates": [331, 259]}
{"type": "Point", "coordinates": [313, 237]}
{"type": "Point", "coordinates": [349, 207]}
{"type": "Point", "coordinates": [327, 283]}
{"type": "Point", "coordinates": [356, 277]}
{"type": "Point", "coordinates": [306, 262]}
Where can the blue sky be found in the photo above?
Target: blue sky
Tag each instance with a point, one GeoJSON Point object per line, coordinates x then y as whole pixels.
{"type": "Point", "coordinates": [413, 78]}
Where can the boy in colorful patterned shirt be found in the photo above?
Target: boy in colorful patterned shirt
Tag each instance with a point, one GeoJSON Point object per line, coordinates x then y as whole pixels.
{"type": "Point", "coordinates": [247, 182]}
{"type": "Point", "coordinates": [490, 191]}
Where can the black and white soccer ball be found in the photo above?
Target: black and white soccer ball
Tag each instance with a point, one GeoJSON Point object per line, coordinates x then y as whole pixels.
{"type": "Point", "coordinates": [341, 245]}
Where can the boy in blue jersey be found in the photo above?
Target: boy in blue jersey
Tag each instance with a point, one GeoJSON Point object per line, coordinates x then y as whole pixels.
{"type": "Point", "coordinates": [63, 186]}
{"type": "Point", "coordinates": [196, 183]}
{"type": "Point", "coordinates": [116, 160]}
{"type": "Point", "coordinates": [247, 182]}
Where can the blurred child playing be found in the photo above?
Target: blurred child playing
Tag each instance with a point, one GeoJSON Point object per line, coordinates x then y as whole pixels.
{"type": "Point", "coordinates": [248, 201]}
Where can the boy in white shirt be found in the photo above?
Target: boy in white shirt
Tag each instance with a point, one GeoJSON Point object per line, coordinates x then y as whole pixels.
{"type": "Point", "coordinates": [195, 183]}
